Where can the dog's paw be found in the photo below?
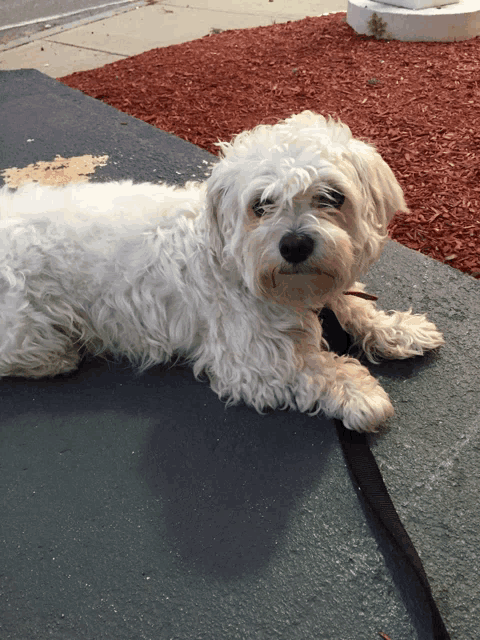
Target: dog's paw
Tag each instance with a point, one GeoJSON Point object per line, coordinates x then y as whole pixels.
{"type": "Point", "coordinates": [366, 412]}
{"type": "Point", "coordinates": [363, 403]}
{"type": "Point", "coordinates": [343, 388]}
{"type": "Point", "coordinates": [402, 335]}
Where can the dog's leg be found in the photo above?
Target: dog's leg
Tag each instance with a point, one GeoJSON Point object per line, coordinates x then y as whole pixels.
{"type": "Point", "coordinates": [393, 335]}
{"type": "Point", "coordinates": [31, 345]}
{"type": "Point", "coordinates": [342, 388]}
{"type": "Point", "coordinates": [34, 360]}
{"type": "Point", "coordinates": [24, 364]}
{"type": "Point", "coordinates": [302, 377]}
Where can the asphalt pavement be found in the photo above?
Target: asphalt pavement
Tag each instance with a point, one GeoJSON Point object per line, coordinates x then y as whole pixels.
{"type": "Point", "coordinates": [19, 12]}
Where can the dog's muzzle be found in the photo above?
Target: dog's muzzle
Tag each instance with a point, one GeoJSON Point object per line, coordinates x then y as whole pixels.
{"type": "Point", "coordinates": [296, 247]}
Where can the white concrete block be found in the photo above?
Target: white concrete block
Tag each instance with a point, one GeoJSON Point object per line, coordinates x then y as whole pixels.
{"type": "Point", "coordinates": [418, 4]}
{"type": "Point", "coordinates": [450, 23]}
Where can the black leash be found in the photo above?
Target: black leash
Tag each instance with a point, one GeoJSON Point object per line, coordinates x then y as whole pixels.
{"type": "Point", "coordinates": [365, 472]}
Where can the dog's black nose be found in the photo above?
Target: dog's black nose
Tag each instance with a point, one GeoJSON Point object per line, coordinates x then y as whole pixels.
{"type": "Point", "coordinates": [296, 247]}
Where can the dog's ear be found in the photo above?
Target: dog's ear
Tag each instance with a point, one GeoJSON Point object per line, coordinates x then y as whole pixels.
{"type": "Point", "coordinates": [382, 197]}
{"type": "Point", "coordinates": [379, 182]}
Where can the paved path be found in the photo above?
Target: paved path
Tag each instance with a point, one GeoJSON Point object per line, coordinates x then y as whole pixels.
{"type": "Point", "coordinates": [100, 39]}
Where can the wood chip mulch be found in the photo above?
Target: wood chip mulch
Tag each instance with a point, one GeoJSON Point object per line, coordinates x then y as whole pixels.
{"type": "Point", "coordinates": [418, 102]}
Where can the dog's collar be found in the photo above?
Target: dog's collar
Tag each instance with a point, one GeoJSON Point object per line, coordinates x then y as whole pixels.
{"type": "Point", "coordinates": [360, 294]}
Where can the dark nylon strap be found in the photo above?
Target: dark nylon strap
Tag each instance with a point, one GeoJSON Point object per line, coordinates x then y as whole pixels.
{"type": "Point", "coordinates": [365, 472]}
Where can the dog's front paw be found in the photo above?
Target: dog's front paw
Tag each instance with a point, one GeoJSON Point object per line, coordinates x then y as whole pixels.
{"type": "Point", "coordinates": [423, 334]}
{"type": "Point", "coordinates": [365, 405]}
{"type": "Point", "coordinates": [366, 411]}
{"type": "Point", "coordinates": [342, 388]}
{"type": "Point", "coordinates": [402, 335]}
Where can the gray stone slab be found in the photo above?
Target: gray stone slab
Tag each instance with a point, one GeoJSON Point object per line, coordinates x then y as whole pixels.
{"type": "Point", "coordinates": [430, 456]}
{"type": "Point", "coordinates": [60, 120]}
{"type": "Point", "coordinates": [138, 507]}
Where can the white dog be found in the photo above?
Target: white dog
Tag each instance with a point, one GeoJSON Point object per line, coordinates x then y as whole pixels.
{"type": "Point", "coordinates": [228, 274]}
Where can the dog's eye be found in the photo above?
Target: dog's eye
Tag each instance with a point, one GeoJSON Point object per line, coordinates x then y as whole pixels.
{"type": "Point", "coordinates": [260, 207]}
{"type": "Point", "coordinates": [328, 200]}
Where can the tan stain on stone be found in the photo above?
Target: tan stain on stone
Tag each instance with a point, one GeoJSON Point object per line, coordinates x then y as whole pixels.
{"type": "Point", "coordinates": [57, 172]}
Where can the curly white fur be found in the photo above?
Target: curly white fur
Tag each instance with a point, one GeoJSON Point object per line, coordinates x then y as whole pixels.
{"type": "Point", "coordinates": [227, 274]}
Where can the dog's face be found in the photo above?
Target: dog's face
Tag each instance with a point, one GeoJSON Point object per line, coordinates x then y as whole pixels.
{"type": "Point", "coordinates": [300, 209]}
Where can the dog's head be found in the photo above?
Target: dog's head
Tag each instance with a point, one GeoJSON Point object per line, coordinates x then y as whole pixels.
{"type": "Point", "coordinates": [300, 209]}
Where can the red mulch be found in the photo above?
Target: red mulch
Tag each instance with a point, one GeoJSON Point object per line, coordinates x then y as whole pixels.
{"type": "Point", "coordinates": [418, 102]}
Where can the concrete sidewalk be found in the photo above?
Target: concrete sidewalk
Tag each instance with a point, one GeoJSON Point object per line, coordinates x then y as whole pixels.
{"type": "Point", "coordinates": [101, 39]}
